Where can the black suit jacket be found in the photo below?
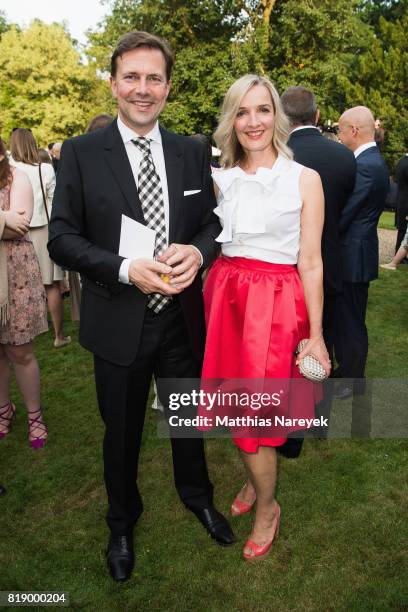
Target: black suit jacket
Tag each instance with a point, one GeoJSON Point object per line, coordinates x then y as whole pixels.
{"type": "Point", "coordinates": [359, 218]}
{"type": "Point", "coordinates": [336, 166]}
{"type": "Point", "coordinates": [95, 186]}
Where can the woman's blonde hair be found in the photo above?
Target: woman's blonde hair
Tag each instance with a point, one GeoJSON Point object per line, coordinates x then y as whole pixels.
{"type": "Point", "coordinates": [23, 147]}
{"type": "Point", "coordinates": [225, 136]}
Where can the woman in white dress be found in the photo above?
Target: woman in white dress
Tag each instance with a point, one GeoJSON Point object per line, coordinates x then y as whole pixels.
{"type": "Point", "coordinates": [24, 153]}
{"type": "Point", "coordinates": [264, 294]}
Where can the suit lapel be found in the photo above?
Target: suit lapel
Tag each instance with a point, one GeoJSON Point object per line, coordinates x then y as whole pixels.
{"type": "Point", "coordinates": [174, 162]}
{"type": "Point", "coordinates": [118, 161]}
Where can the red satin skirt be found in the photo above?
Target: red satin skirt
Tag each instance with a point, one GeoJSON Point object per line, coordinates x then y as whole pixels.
{"type": "Point", "coordinates": [256, 315]}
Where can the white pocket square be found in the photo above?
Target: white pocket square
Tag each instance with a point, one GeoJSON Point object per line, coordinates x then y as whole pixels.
{"type": "Point", "coordinates": [191, 192]}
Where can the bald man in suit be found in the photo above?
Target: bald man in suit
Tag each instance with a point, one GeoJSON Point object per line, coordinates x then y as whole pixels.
{"type": "Point", "coordinates": [359, 240]}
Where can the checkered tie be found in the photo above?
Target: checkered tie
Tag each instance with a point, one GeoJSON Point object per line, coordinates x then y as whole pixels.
{"type": "Point", "coordinates": [151, 199]}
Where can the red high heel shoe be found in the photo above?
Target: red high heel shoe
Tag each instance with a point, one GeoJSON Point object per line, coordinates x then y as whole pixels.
{"type": "Point", "coordinates": [37, 422]}
{"type": "Point", "coordinates": [7, 421]}
{"type": "Point", "coordinates": [259, 551]}
{"type": "Point", "coordinates": [239, 507]}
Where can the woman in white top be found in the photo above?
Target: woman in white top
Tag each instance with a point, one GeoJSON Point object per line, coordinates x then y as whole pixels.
{"type": "Point", "coordinates": [264, 294]}
{"type": "Point", "coordinates": [24, 153]}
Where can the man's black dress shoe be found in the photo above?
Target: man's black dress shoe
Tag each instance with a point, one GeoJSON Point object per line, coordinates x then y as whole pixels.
{"type": "Point", "coordinates": [343, 392]}
{"type": "Point", "coordinates": [2, 490]}
{"type": "Point", "coordinates": [120, 557]}
{"type": "Point", "coordinates": [217, 525]}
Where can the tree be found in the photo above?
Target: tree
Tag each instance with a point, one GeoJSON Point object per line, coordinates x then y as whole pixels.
{"type": "Point", "coordinates": [44, 85]}
{"type": "Point", "coordinates": [390, 10]}
{"type": "Point", "coordinates": [383, 73]}
{"type": "Point", "coordinates": [183, 24]}
{"type": "Point", "coordinates": [4, 23]}
{"type": "Point", "coordinates": [348, 52]}
{"type": "Point", "coordinates": [207, 58]}
{"type": "Point", "coordinates": [314, 43]}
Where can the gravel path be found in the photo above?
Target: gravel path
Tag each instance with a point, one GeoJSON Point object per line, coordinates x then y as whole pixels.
{"type": "Point", "coordinates": [387, 239]}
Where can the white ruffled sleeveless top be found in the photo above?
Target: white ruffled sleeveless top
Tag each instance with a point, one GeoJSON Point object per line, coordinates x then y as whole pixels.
{"type": "Point", "coordinates": [260, 213]}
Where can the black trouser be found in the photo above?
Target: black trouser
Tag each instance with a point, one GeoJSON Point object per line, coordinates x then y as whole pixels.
{"type": "Point", "coordinates": [122, 392]}
{"type": "Point", "coordinates": [351, 338]}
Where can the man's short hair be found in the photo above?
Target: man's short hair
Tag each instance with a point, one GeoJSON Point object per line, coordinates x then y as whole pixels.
{"type": "Point", "coordinates": [136, 40]}
{"type": "Point", "coordinates": [99, 122]}
{"type": "Point", "coordinates": [299, 105]}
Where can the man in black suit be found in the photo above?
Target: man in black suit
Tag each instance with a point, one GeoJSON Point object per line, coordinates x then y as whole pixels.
{"type": "Point", "coordinates": [139, 317]}
{"type": "Point", "coordinates": [359, 240]}
{"type": "Point", "coordinates": [337, 169]}
{"type": "Point", "coordinates": [401, 178]}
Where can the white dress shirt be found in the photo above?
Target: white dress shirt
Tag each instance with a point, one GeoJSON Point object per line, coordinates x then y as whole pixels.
{"type": "Point", "coordinates": [305, 127]}
{"type": "Point", "coordinates": [364, 147]}
{"type": "Point", "coordinates": [135, 157]}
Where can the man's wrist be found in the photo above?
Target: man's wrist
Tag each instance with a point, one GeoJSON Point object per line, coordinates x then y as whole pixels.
{"type": "Point", "coordinates": [198, 253]}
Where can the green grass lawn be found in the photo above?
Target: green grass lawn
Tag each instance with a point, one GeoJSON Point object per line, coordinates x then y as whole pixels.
{"type": "Point", "coordinates": [344, 534]}
{"type": "Point", "coordinates": [387, 220]}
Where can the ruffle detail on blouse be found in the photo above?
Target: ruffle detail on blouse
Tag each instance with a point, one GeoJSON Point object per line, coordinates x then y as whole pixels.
{"type": "Point", "coordinates": [242, 198]}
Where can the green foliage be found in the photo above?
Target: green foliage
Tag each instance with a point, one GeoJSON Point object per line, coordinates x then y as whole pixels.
{"type": "Point", "coordinates": [4, 25]}
{"type": "Point", "coordinates": [383, 81]}
{"type": "Point", "coordinates": [183, 24]}
{"type": "Point", "coordinates": [348, 51]}
{"type": "Point", "coordinates": [315, 44]}
{"type": "Point", "coordinates": [200, 33]}
{"type": "Point", "coordinates": [387, 220]}
{"type": "Point", "coordinates": [44, 85]}
{"type": "Point", "coordinates": [391, 10]}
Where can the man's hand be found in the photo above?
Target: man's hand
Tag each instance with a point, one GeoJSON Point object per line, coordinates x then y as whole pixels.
{"type": "Point", "coordinates": [145, 275]}
{"type": "Point", "coordinates": [185, 261]}
{"type": "Point", "coordinates": [17, 222]}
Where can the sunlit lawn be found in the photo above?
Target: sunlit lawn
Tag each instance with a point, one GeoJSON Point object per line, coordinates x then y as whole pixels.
{"type": "Point", "coordinates": [344, 534]}
{"type": "Point", "coordinates": [387, 220]}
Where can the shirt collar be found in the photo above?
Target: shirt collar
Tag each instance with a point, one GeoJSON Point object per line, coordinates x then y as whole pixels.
{"type": "Point", "coordinates": [128, 134]}
{"type": "Point", "coordinates": [305, 127]}
{"type": "Point", "coordinates": [364, 147]}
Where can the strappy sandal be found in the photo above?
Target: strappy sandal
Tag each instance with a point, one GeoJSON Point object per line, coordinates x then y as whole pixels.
{"type": "Point", "coordinates": [7, 421]}
{"type": "Point", "coordinates": [37, 422]}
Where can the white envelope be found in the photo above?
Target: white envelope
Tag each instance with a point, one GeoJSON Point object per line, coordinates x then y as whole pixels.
{"type": "Point", "coordinates": [191, 192]}
{"type": "Point", "coordinates": [136, 240]}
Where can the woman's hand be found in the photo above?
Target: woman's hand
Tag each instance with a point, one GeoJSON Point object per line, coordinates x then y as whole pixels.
{"type": "Point", "coordinates": [17, 222]}
{"type": "Point", "coordinates": [317, 348]}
